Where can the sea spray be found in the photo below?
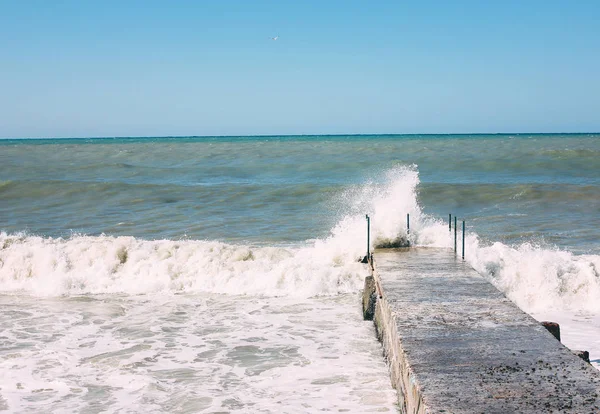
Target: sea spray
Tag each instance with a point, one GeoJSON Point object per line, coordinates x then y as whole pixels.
{"type": "Point", "coordinates": [539, 278]}
{"type": "Point", "coordinates": [536, 277]}
{"type": "Point", "coordinates": [387, 203]}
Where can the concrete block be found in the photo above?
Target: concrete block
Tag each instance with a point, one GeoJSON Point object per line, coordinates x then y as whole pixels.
{"type": "Point", "coordinates": [553, 328]}
{"type": "Point", "coordinates": [369, 298]}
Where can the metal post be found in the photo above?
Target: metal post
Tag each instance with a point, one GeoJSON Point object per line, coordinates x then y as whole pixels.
{"type": "Point", "coordinates": [455, 251]}
{"type": "Point", "coordinates": [407, 223]}
{"type": "Point", "coordinates": [463, 237]}
{"type": "Point", "coordinates": [450, 222]}
{"type": "Point", "coordinates": [368, 236]}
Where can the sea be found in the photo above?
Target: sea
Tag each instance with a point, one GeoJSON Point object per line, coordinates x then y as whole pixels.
{"type": "Point", "coordinates": [222, 274]}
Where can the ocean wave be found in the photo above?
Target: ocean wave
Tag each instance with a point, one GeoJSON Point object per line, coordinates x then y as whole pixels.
{"type": "Point", "coordinates": [104, 264]}
{"type": "Point", "coordinates": [5, 184]}
{"type": "Point", "coordinates": [107, 265]}
{"type": "Point", "coordinates": [536, 277]}
{"type": "Point", "coordinates": [490, 193]}
{"type": "Point", "coordinates": [581, 154]}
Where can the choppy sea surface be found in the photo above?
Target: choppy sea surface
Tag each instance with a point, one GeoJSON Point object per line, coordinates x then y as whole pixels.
{"type": "Point", "coordinates": [220, 274]}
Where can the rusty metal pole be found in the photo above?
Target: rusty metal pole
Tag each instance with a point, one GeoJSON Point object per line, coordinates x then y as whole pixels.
{"type": "Point", "coordinates": [455, 252]}
{"type": "Point", "coordinates": [463, 240]}
{"type": "Point", "coordinates": [368, 236]}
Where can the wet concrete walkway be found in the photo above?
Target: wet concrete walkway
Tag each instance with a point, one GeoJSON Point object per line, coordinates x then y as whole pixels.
{"type": "Point", "coordinates": [457, 345]}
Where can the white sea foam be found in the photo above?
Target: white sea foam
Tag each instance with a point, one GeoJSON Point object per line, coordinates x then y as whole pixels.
{"type": "Point", "coordinates": [104, 264]}
{"type": "Point", "coordinates": [539, 278]}
{"type": "Point", "coordinates": [189, 354]}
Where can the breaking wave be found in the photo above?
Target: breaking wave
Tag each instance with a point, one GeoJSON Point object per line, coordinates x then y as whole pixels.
{"type": "Point", "coordinates": [535, 277]}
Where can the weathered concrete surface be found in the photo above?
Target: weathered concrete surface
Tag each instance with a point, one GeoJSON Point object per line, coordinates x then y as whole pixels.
{"type": "Point", "coordinates": [456, 344]}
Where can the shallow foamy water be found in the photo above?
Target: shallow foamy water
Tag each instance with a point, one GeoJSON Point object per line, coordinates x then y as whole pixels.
{"type": "Point", "coordinates": [190, 353]}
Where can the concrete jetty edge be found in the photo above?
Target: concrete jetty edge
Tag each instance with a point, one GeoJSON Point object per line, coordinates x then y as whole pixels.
{"type": "Point", "coordinates": [377, 309]}
{"type": "Point", "coordinates": [402, 376]}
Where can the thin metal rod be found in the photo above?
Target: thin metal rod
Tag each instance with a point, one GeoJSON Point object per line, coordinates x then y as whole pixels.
{"type": "Point", "coordinates": [450, 222]}
{"type": "Point", "coordinates": [463, 237]}
{"type": "Point", "coordinates": [368, 236]}
{"type": "Point", "coordinates": [455, 251]}
{"type": "Point", "coordinates": [407, 223]}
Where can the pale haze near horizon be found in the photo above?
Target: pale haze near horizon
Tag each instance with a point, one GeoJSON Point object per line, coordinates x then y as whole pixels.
{"type": "Point", "coordinates": [76, 69]}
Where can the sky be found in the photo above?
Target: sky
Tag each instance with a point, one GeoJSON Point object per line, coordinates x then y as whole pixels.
{"type": "Point", "coordinates": [181, 68]}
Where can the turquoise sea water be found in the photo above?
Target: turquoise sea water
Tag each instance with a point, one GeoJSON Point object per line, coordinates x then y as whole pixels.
{"type": "Point", "coordinates": [220, 274]}
{"type": "Point", "coordinates": [272, 190]}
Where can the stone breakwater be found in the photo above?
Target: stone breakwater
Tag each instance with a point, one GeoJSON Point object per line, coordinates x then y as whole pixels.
{"type": "Point", "coordinates": [454, 343]}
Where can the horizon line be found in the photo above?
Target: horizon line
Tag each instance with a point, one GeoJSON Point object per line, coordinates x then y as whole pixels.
{"type": "Point", "coordinates": [298, 135]}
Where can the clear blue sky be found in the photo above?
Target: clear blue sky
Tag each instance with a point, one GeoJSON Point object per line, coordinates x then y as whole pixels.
{"type": "Point", "coordinates": [140, 68]}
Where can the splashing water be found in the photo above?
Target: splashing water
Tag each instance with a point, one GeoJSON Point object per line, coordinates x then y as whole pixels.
{"type": "Point", "coordinates": [538, 278]}
{"type": "Point", "coordinates": [535, 277]}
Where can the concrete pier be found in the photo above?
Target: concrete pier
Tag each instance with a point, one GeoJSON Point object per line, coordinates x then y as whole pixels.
{"type": "Point", "coordinates": [455, 344]}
